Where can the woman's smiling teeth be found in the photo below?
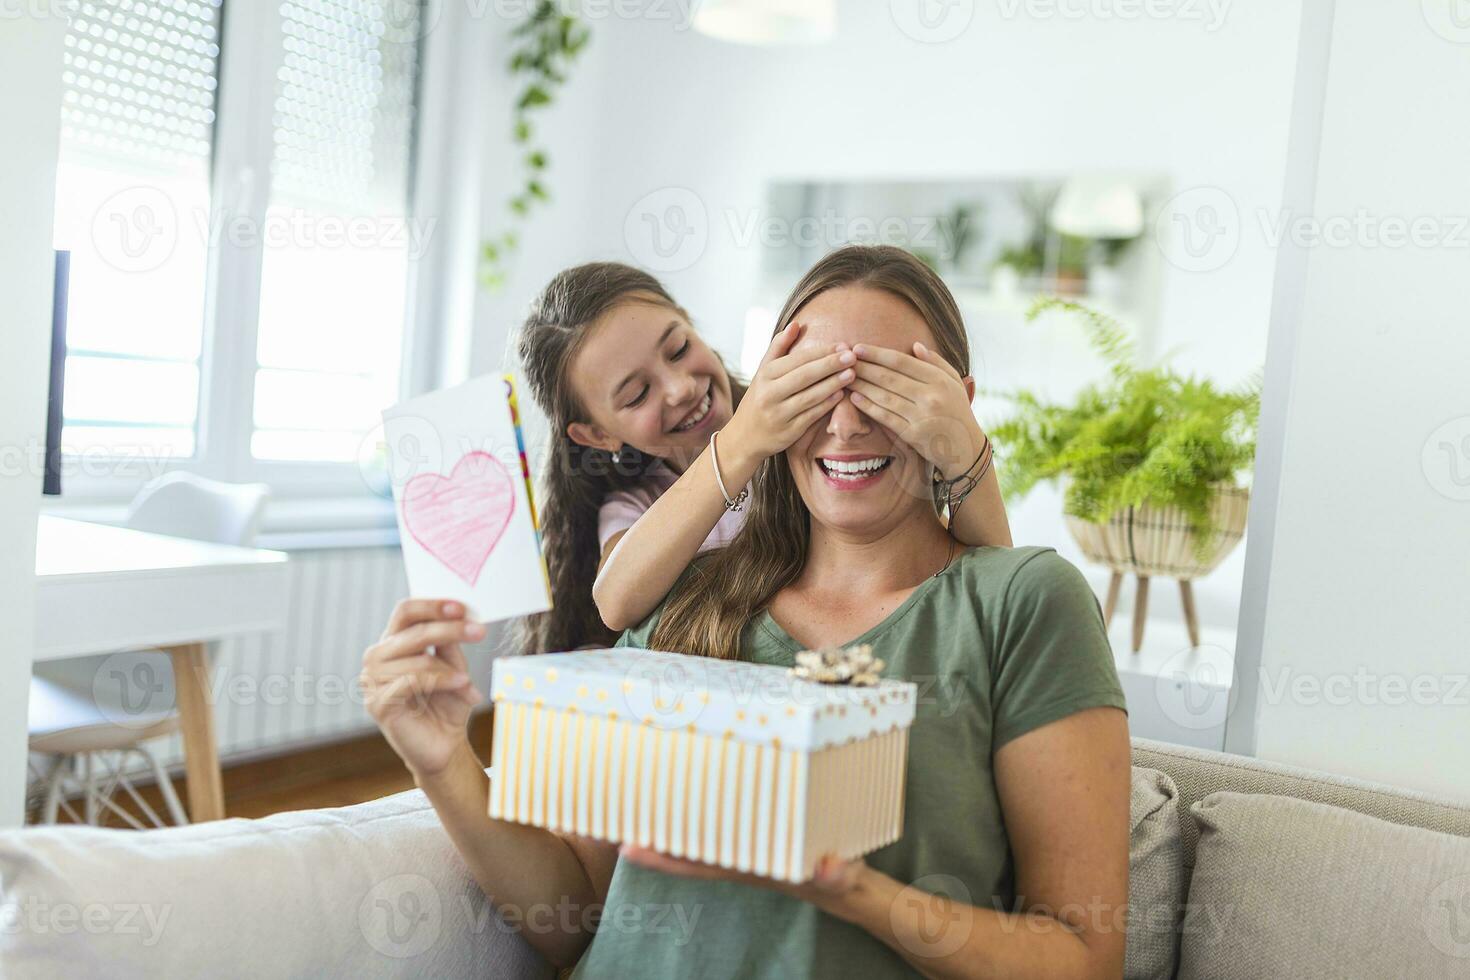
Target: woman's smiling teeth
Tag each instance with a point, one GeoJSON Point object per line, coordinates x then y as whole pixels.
{"type": "Point", "coordinates": [853, 469]}
{"type": "Point", "coordinates": [697, 416]}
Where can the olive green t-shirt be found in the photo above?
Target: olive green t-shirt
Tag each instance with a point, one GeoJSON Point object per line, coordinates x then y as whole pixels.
{"type": "Point", "coordinates": [1001, 642]}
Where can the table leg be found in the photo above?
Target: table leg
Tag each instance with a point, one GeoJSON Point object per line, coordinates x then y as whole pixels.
{"type": "Point", "coordinates": [196, 723]}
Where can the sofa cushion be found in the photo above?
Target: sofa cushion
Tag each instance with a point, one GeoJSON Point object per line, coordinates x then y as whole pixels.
{"type": "Point", "coordinates": [1155, 877]}
{"type": "Point", "coordinates": [374, 890]}
{"type": "Point", "coordinates": [1284, 887]}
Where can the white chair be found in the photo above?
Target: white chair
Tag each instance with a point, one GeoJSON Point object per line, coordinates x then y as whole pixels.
{"type": "Point", "coordinates": [88, 745]}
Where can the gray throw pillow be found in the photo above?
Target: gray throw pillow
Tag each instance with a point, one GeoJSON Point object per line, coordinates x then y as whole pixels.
{"type": "Point", "coordinates": [1155, 877]}
{"type": "Point", "coordinates": [1287, 888]}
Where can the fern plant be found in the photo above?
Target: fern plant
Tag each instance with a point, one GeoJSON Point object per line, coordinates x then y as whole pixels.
{"type": "Point", "coordinates": [1143, 436]}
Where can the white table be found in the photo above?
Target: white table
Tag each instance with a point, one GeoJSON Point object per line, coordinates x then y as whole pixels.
{"type": "Point", "coordinates": [103, 589]}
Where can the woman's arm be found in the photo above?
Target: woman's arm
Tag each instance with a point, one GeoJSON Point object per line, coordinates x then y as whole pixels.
{"type": "Point", "coordinates": [1064, 792]}
{"type": "Point", "coordinates": [519, 868]}
{"type": "Point", "coordinates": [788, 393]}
{"type": "Point", "coordinates": [416, 685]}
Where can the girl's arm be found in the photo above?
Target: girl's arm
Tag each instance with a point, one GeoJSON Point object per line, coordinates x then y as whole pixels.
{"type": "Point", "coordinates": [641, 564]}
{"type": "Point", "coordinates": [788, 393]}
{"type": "Point", "coordinates": [981, 518]}
{"type": "Point", "coordinates": [417, 688]}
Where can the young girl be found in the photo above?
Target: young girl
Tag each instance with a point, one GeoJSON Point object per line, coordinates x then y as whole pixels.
{"type": "Point", "coordinates": [640, 407]}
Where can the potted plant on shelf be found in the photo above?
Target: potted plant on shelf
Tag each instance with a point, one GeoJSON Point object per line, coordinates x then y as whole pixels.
{"type": "Point", "coordinates": [1148, 459]}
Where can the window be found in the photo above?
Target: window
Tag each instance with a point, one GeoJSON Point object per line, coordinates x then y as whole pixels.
{"type": "Point", "coordinates": [234, 186]}
{"type": "Point", "coordinates": [138, 85]}
{"type": "Point", "coordinates": [333, 286]}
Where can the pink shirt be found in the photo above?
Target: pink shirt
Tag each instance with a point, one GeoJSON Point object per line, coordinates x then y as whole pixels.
{"type": "Point", "coordinates": [622, 508]}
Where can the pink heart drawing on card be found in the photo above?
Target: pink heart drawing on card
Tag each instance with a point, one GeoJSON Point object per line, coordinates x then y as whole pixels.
{"type": "Point", "coordinates": [460, 518]}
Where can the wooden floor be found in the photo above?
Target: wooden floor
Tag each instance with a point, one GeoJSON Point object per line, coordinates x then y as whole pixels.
{"type": "Point", "coordinates": [339, 774]}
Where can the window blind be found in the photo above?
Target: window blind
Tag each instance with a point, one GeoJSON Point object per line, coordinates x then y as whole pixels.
{"type": "Point", "coordinates": [334, 289]}
{"type": "Point", "coordinates": [139, 79]}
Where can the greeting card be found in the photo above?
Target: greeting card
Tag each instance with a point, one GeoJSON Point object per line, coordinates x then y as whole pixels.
{"type": "Point", "coordinates": [462, 493]}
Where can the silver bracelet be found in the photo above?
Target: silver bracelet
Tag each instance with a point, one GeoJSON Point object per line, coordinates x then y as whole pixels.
{"type": "Point", "coordinates": [714, 457]}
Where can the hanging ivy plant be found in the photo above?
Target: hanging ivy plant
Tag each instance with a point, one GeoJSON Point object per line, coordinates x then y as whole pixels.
{"type": "Point", "coordinates": [545, 46]}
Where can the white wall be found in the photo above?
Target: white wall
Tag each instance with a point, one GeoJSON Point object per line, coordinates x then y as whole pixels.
{"type": "Point", "coordinates": [655, 106]}
{"type": "Point", "coordinates": [30, 105]}
{"type": "Point", "coordinates": [1365, 646]}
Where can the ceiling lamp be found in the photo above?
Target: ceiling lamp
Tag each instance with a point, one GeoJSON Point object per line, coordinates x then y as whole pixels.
{"type": "Point", "coordinates": [767, 21]}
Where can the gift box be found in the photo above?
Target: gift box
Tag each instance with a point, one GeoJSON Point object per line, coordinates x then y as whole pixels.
{"type": "Point", "coordinates": [736, 764]}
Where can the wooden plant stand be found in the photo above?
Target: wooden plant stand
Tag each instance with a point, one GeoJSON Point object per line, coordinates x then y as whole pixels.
{"type": "Point", "coordinates": [1153, 542]}
{"type": "Point", "coordinates": [1140, 607]}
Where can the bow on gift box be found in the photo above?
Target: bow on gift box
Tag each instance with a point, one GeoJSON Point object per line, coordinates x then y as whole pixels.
{"type": "Point", "coordinates": [854, 665]}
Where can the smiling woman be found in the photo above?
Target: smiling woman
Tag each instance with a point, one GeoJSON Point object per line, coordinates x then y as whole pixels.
{"type": "Point", "coordinates": [1016, 802]}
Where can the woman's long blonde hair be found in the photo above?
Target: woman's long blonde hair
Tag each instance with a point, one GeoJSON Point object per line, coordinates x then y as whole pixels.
{"type": "Point", "coordinates": [725, 590]}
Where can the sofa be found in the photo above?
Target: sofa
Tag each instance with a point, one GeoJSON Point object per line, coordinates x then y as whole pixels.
{"type": "Point", "coordinates": [1238, 869]}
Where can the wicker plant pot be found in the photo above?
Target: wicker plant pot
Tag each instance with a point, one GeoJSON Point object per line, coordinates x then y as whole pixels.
{"type": "Point", "coordinates": [1149, 541]}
